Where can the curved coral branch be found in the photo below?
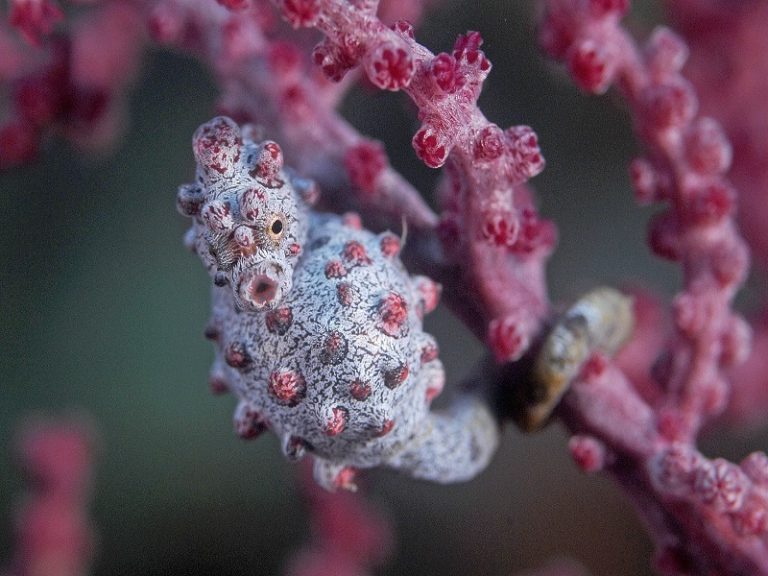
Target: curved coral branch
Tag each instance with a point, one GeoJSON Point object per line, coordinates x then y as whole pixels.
{"type": "Point", "coordinates": [706, 515]}
{"type": "Point", "coordinates": [266, 80]}
{"type": "Point", "coordinates": [730, 71]}
{"type": "Point", "coordinates": [687, 157]}
{"type": "Point", "coordinates": [490, 230]}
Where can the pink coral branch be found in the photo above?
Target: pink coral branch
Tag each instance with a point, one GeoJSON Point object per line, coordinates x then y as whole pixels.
{"type": "Point", "coordinates": [266, 80]}
{"type": "Point", "coordinates": [74, 84]}
{"type": "Point", "coordinates": [687, 159]}
{"type": "Point", "coordinates": [349, 537]}
{"type": "Point", "coordinates": [730, 71]}
{"type": "Point", "coordinates": [488, 224]}
{"type": "Point", "coordinates": [54, 535]}
{"type": "Point", "coordinates": [728, 67]}
{"type": "Point", "coordinates": [707, 515]}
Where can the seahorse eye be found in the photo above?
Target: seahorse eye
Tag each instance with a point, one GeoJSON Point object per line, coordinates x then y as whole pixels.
{"type": "Point", "coordinates": [276, 228]}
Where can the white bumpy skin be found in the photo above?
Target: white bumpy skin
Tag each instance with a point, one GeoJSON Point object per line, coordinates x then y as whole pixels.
{"type": "Point", "coordinates": [318, 326]}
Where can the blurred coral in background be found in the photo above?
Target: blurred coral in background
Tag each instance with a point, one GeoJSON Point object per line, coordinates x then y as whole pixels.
{"type": "Point", "coordinates": [53, 532]}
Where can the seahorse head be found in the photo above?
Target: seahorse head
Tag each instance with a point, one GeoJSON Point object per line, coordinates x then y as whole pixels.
{"type": "Point", "coordinates": [251, 215]}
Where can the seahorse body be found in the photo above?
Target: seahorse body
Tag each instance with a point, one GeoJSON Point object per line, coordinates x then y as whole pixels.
{"type": "Point", "coordinates": [318, 325]}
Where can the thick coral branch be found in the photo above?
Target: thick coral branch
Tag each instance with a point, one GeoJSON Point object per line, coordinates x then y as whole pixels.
{"type": "Point", "coordinates": [687, 157]}
{"type": "Point", "coordinates": [729, 69]}
{"type": "Point", "coordinates": [706, 515]}
{"type": "Point", "coordinates": [489, 225]}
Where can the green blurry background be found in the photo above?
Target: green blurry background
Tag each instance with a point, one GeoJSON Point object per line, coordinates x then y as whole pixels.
{"type": "Point", "coordinates": [102, 309]}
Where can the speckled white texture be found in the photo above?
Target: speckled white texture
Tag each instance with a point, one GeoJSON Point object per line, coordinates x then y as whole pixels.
{"type": "Point", "coordinates": [335, 361]}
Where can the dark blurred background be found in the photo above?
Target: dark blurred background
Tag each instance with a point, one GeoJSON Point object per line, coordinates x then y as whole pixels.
{"type": "Point", "coordinates": [102, 309]}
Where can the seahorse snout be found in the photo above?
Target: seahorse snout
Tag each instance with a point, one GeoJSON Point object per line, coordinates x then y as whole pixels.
{"type": "Point", "coordinates": [262, 289]}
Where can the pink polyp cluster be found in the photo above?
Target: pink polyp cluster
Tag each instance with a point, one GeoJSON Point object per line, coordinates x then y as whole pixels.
{"type": "Point", "coordinates": [53, 531]}
{"type": "Point", "coordinates": [34, 18]}
{"type": "Point", "coordinates": [728, 68]}
{"type": "Point", "coordinates": [733, 497]}
{"type": "Point", "coordinates": [706, 515]}
{"type": "Point", "coordinates": [317, 324]}
{"type": "Point", "coordinates": [72, 84]}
